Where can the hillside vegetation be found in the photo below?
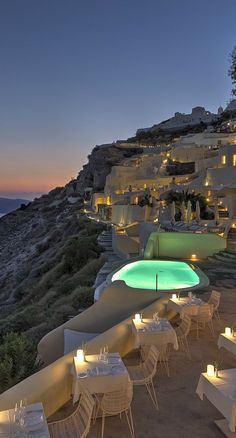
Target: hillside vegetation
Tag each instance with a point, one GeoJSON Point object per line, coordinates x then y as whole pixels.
{"type": "Point", "coordinates": [49, 258]}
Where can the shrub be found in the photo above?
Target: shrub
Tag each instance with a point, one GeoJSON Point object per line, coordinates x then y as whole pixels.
{"type": "Point", "coordinates": [18, 358]}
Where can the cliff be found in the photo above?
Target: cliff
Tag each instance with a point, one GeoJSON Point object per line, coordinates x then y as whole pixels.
{"type": "Point", "coordinates": [100, 163]}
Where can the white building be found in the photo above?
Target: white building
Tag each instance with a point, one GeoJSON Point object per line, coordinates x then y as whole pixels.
{"type": "Point", "coordinates": [180, 120]}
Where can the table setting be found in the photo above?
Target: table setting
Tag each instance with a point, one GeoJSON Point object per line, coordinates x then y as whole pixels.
{"type": "Point", "coordinates": [185, 305]}
{"type": "Point", "coordinates": [99, 373]}
{"type": "Point", "coordinates": [157, 331]}
{"type": "Point", "coordinates": [220, 389]}
{"type": "Point", "coordinates": [24, 421]}
{"type": "Point", "coordinates": [227, 340]}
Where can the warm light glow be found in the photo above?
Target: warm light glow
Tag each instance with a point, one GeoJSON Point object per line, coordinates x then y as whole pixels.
{"type": "Point", "coordinates": [137, 317]}
{"type": "Point", "coordinates": [228, 331]}
{"type": "Point", "coordinates": [210, 370]}
{"type": "Point", "coordinates": [193, 256]}
{"type": "Point", "coordinates": [206, 183]}
{"type": "Point", "coordinates": [80, 355]}
{"type": "Point", "coordinates": [223, 159]}
{"type": "Point", "coordinates": [234, 160]}
{"type": "Point", "coordinates": [174, 296]}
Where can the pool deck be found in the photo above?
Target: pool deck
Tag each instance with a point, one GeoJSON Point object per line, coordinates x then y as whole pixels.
{"type": "Point", "coordinates": [182, 414]}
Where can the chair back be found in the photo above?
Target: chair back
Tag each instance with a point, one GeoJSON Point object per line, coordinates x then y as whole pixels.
{"type": "Point", "coordinates": [205, 312]}
{"type": "Point", "coordinates": [215, 299]}
{"type": "Point", "coordinates": [185, 325]}
{"type": "Point", "coordinates": [84, 412]}
{"type": "Point", "coordinates": [150, 364]}
{"type": "Point", "coordinates": [118, 401]}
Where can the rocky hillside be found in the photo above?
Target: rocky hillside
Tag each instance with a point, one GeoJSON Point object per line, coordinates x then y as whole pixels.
{"type": "Point", "coordinates": [100, 163]}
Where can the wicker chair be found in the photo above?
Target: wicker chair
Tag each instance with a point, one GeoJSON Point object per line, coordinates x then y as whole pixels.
{"type": "Point", "coordinates": [144, 373]}
{"type": "Point", "coordinates": [77, 425]}
{"type": "Point", "coordinates": [203, 318]}
{"type": "Point", "coordinates": [182, 332]}
{"type": "Point", "coordinates": [215, 301]}
{"type": "Point", "coordinates": [116, 403]}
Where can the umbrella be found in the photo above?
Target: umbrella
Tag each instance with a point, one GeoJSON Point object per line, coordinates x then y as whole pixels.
{"type": "Point", "coordinates": [172, 211]}
{"type": "Point", "coordinates": [217, 217]}
{"type": "Point", "coordinates": [183, 211]}
{"type": "Point", "coordinates": [189, 211]}
{"type": "Point", "coordinates": [197, 211]}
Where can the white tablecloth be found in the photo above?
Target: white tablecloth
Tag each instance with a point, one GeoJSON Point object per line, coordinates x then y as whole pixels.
{"type": "Point", "coordinates": [31, 410]}
{"type": "Point", "coordinates": [148, 333]}
{"type": "Point", "coordinates": [228, 342]}
{"type": "Point", "coordinates": [101, 377]}
{"type": "Point", "coordinates": [185, 306]}
{"type": "Point", "coordinates": [221, 392]}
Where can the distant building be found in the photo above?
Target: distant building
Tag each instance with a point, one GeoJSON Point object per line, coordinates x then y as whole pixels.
{"type": "Point", "coordinates": [180, 120]}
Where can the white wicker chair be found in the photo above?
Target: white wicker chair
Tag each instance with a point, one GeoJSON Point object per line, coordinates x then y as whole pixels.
{"type": "Point", "coordinates": [215, 300]}
{"type": "Point", "coordinates": [203, 318]}
{"type": "Point", "coordinates": [76, 425]}
{"type": "Point", "coordinates": [144, 373]}
{"type": "Point", "coordinates": [182, 332]}
{"type": "Point", "coordinates": [116, 403]}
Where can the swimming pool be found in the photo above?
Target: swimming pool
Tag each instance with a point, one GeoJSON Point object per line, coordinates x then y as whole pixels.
{"type": "Point", "coordinates": [158, 275]}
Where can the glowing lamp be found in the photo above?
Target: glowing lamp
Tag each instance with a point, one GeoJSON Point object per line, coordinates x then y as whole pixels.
{"type": "Point", "coordinates": [174, 296]}
{"type": "Point", "coordinates": [137, 317]}
{"type": "Point", "coordinates": [228, 331]}
{"type": "Point", "coordinates": [193, 256]}
{"type": "Point", "coordinates": [80, 355]}
{"type": "Point", "coordinates": [210, 370]}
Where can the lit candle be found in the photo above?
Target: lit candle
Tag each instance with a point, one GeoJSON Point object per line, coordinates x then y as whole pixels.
{"type": "Point", "coordinates": [174, 296]}
{"type": "Point", "coordinates": [228, 331]}
{"type": "Point", "coordinates": [137, 317]}
{"type": "Point", "coordinates": [210, 370]}
{"type": "Point", "coordinates": [80, 355]}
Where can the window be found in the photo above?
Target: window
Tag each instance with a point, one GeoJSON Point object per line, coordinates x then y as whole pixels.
{"type": "Point", "coordinates": [234, 160]}
{"type": "Point", "coordinates": [223, 159]}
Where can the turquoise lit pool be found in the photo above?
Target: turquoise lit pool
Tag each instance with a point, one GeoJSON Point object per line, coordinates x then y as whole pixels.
{"type": "Point", "coordinates": [158, 275]}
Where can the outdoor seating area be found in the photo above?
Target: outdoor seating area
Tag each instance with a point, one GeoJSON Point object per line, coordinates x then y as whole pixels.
{"type": "Point", "coordinates": [109, 391]}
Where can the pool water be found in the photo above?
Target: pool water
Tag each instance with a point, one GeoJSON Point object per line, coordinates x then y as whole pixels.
{"type": "Point", "coordinates": [170, 275]}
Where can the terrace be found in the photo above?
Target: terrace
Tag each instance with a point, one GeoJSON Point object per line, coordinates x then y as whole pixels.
{"type": "Point", "coordinates": [181, 412]}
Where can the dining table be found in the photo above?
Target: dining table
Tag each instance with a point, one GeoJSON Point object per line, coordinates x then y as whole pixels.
{"type": "Point", "coordinates": [98, 375]}
{"type": "Point", "coordinates": [228, 342]}
{"type": "Point", "coordinates": [159, 332]}
{"type": "Point", "coordinates": [26, 422]}
{"type": "Point", "coordinates": [185, 305]}
{"type": "Point", "coordinates": [220, 390]}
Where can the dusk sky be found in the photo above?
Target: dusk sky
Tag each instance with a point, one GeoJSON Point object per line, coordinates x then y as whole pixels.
{"type": "Point", "coordinates": [78, 73]}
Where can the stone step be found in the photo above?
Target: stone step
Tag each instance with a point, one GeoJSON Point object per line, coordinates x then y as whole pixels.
{"type": "Point", "coordinates": [224, 259]}
{"type": "Point", "coordinates": [228, 254]}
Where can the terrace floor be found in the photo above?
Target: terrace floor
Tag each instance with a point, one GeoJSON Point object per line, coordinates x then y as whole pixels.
{"type": "Point", "coordinates": [181, 413]}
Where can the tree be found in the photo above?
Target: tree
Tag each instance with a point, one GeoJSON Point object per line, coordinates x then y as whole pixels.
{"type": "Point", "coordinates": [232, 70]}
{"type": "Point", "coordinates": [185, 196]}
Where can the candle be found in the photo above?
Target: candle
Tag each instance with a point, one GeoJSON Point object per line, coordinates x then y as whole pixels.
{"type": "Point", "coordinates": [174, 296]}
{"type": "Point", "coordinates": [80, 355]}
{"type": "Point", "coordinates": [228, 331]}
{"type": "Point", "coordinates": [137, 317]}
{"type": "Point", "coordinates": [210, 370]}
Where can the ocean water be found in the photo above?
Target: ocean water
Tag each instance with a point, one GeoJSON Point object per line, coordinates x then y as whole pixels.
{"type": "Point", "coordinates": [1, 214]}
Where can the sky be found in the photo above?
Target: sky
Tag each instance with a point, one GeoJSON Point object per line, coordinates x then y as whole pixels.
{"type": "Point", "coordinates": [76, 73]}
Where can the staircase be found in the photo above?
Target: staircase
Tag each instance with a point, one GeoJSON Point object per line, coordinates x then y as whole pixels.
{"type": "Point", "coordinates": [231, 240]}
{"type": "Point", "coordinates": [227, 257]}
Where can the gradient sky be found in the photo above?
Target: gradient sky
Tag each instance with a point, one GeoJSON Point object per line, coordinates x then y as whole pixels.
{"type": "Point", "coordinates": [77, 73]}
